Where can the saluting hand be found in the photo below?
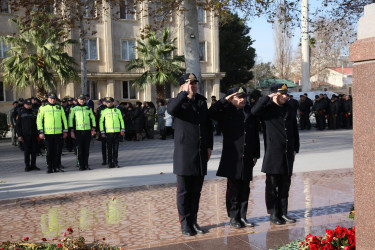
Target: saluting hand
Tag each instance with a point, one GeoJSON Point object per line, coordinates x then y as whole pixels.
{"type": "Point", "coordinates": [229, 98]}
{"type": "Point", "coordinates": [186, 87]}
{"type": "Point", "coordinates": [273, 95]}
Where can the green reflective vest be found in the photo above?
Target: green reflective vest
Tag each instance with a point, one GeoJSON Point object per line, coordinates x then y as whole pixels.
{"type": "Point", "coordinates": [51, 119]}
{"type": "Point", "coordinates": [111, 120]}
{"type": "Point", "coordinates": [80, 117]}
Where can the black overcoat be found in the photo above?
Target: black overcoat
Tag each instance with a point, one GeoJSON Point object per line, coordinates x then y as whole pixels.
{"type": "Point", "coordinates": [240, 140]}
{"type": "Point", "coordinates": [138, 119]}
{"type": "Point", "coordinates": [281, 135]}
{"type": "Point", "coordinates": [192, 134]}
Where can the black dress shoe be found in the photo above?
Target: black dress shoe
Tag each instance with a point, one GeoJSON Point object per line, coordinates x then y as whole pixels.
{"type": "Point", "coordinates": [235, 223]}
{"type": "Point", "coordinates": [49, 171]}
{"type": "Point", "coordinates": [246, 223]}
{"type": "Point", "coordinates": [87, 168]}
{"type": "Point", "coordinates": [276, 221]}
{"type": "Point", "coordinates": [35, 168]}
{"type": "Point", "coordinates": [198, 229]}
{"type": "Point", "coordinates": [28, 169]}
{"type": "Point", "coordinates": [287, 219]}
{"type": "Point", "coordinates": [104, 163]}
{"type": "Point", "coordinates": [187, 231]}
{"type": "Point", "coordinates": [116, 165]}
{"type": "Point", "coordinates": [81, 169]}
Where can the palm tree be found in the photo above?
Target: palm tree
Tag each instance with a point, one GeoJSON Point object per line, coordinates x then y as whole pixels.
{"type": "Point", "coordinates": [156, 59]}
{"type": "Point", "coordinates": [37, 56]}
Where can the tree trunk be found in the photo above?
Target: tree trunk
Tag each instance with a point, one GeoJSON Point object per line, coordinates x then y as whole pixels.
{"type": "Point", "coordinates": [191, 37]}
{"type": "Point", "coordinates": [160, 91]}
{"type": "Point", "coordinates": [41, 92]}
{"type": "Point", "coordinates": [83, 57]}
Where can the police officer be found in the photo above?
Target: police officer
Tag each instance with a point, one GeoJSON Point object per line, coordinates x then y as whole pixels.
{"type": "Point", "coordinates": [101, 139]}
{"type": "Point", "coordinates": [193, 142]}
{"type": "Point", "coordinates": [28, 133]}
{"type": "Point", "coordinates": [281, 146]}
{"type": "Point", "coordinates": [52, 126]}
{"type": "Point", "coordinates": [241, 149]}
{"type": "Point", "coordinates": [82, 127]}
{"type": "Point", "coordinates": [111, 126]}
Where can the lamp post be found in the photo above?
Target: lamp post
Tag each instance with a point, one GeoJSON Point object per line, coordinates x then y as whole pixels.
{"type": "Point", "coordinates": [306, 85]}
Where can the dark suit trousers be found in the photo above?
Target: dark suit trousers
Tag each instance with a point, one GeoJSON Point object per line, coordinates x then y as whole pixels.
{"type": "Point", "coordinates": [30, 145]}
{"type": "Point", "coordinates": [104, 148]}
{"type": "Point", "coordinates": [53, 146]}
{"type": "Point", "coordinates": [188, 194]}
{"type": "Point", "coordinates": [113, 140]}
{"type": "Point", "coordinates": [237, 198]}
{"type": "Point", "coordinates": [83, 147]}
{"type": "Point", "coordinates": [277, 193]}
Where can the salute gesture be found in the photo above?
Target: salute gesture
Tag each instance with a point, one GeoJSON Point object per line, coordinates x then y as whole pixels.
{"type": "Point", "coordinates": [229, 98]}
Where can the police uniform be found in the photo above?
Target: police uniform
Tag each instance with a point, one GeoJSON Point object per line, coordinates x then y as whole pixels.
{"type": "Point", "coordinates": [51, 122]}
{"type": "Point", "coordinates": [28, 133]}
{"type": "Point", "coordinates": [82, 124]}
{"type": "Point", "coordinates": [192, 138]}
{"type": "Point", "coordinates": [102, 139]}
{"type": "Point", "coordinates": [112, 125]}
{"type": "Point", "coordinates": [240, 147]}
{"type": "Point", "coordinates": [281, 141]}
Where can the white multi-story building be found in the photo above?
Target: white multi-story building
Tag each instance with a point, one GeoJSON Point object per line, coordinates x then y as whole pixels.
{"type": "Point", "coordinates": [110, 45]}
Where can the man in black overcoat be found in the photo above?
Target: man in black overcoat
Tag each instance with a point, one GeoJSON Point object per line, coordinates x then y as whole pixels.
{"type": "Point", "coordinates": [193, 142]}
{"type": "Point", "coordinates": [304, 109]}
{"type": "Point", "coordinates": [241, 150]}
{"type": "Point", "coordinates": [319, 109]}
{"type": "Point", "coordinates": [281, 146]}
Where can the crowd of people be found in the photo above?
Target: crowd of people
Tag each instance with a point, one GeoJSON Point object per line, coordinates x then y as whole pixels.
{"type": "Point", "coordinates": [53, 123]}
{"type": "Point", "coordinates": [138, 123]}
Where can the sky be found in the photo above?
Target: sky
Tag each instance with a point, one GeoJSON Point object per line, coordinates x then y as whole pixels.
{"type": "Point", "coordinates": [262, 32]}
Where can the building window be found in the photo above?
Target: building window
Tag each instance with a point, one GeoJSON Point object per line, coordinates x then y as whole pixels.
{"type": "Point", "coordinates": [2, 92]}
{"type": "Point", "coordinates": [3, 49]}
{"type": "Point", "coordinates": [4, 6]}
{"type": "Point", "coordinates": [89, 8]}
{"type": "Point", "coordinates": [201, 14]}
{"type": "Point", "coordinates": [93, 89]}
{"type": "Point", "coordinates": [127, 50]}
{"type": "Point", "coordinates": [202, 52]}
{"type": "Point", "coordinates": [127, 10]}
{"type": "Point", "coordinates": [91, 49]}
{"type": "Point", "coordinates": [128, 91]}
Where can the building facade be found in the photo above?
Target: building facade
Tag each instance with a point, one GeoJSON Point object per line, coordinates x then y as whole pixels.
{"type": "Point", "coordinates": [110, 46]}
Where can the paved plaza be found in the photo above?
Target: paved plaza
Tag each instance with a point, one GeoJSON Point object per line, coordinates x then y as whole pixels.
{"type": "Point", "coordinates": [135, 207]}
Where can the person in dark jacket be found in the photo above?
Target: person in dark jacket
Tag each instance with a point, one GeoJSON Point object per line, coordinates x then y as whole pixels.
{"type": "Point", "coordinates": [281, 146]}
{"type": "Point", "coordinates": [333, 112]}
{"type": "Point", "coordinates": [304, 112]}
{"type": "Point", "coordinates": [101, 106]}
{"type": "Point", "coordinates": [138, 120]}
{"type": "Point", "coordinates": [241, 150]}
{"type": "Point", "coordinates": [28, 134]}
{"type": "Point", "coordinates": [348, 110]}
{"type": "Point", "coordinates": [193, 142]}
{"type": "Point", "coordinates": [319, 109]}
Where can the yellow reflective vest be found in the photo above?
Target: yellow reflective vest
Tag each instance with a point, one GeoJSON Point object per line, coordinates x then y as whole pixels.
{"type": "Point", "coordinates": [51, 119]}
{"type": "Point", "coordinates": [80, 116]}
{"type": "Point", "coordinates": [111, 121]}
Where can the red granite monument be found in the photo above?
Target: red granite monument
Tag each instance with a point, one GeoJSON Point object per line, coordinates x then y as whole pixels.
{"type": "Point", "coordinates": [362, 53]}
